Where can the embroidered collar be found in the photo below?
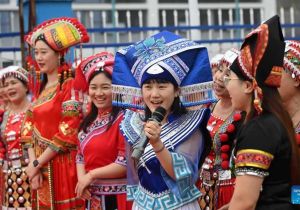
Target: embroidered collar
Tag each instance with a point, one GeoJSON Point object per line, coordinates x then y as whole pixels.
{"type": "Point", "coordinates": [173, 133]}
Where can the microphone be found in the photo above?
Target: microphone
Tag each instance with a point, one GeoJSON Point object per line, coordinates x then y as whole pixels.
{"type": "Point", "coordinates": [157, 116]}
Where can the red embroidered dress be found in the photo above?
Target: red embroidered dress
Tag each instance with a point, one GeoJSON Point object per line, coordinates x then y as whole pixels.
{"type": "Point", "coordinates": [52, 122]}
{"type": "Point", "coordinates": [2, 155]}
{"type": "Point", "coordinates": [16, 187]}
{"type": "Point", "coordinates": [99, 146]}
{"type": "Point", "coordinates": [216, 178]}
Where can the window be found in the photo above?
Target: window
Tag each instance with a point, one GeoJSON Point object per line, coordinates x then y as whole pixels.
{"type": "Point", "coordinates": [227, 1]}
{"type": "Point", "coordinates": [173, 1]}
{"type": "Point", "coordinates": [108, 1]}
{"type": "Point", "coordinates": [4, 22]}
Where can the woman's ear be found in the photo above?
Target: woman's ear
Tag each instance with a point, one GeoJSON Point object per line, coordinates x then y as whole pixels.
{"type": "Point", "coordinates": [248, 87]}
{"type": "Point", "coordinates": [296, 83]}
{"type": "Point", "coordinates": [177, 92]}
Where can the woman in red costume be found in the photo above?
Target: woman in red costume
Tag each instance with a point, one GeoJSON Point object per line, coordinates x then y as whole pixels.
{"type": "Point", "coordinates": [216, 178]}
{"type": "Point", "coordinates": [101, 163]}
{"type": "Point", "coordinates": [290, 83]}
{"type": "Point", "coordinates": [52, 121]}
{"type": "Point", "coordinates": [3, 106]}
{"type": "Point", "coordinates": [15, 183]}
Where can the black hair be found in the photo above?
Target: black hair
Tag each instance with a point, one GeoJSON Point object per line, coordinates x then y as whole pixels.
{"type": "Point", "coordinates": [176, 108]}
{"type": "Point", "coordinates": [92, 115]}
{"type": "Point", "coordinates": [272, 103]}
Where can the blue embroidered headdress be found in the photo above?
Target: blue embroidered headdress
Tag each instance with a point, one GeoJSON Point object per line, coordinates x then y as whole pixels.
{"type": "Point", "coordinates": [164, 55]}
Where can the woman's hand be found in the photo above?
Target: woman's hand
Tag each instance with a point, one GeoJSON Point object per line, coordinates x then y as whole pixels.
{"type": "Point", "coordinates": [37, 181]}
{"type": "Point", "coordinates": [82, 184]}
{"type": "Point", "coordinates": [152, 131]}
{"type": "Point", "coordinates": [31, 171]}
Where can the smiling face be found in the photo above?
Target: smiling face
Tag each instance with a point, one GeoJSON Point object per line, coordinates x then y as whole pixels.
{"type": "Point", "coordinates": [15, 89]}
{"type": "Point", "coordinates": [159, 94]}
{"type": "Point", "coordinates": [46, 58]}
{"type": "Point", "coordinates": [240, 92]}
{"type": "Point", "coordinates": [100, 91]}
{"type": "Point", "coordinates": [219, 87]}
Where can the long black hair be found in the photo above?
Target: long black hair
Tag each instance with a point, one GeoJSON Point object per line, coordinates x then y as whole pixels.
{"type": "Point", "coordinates": [272, 103]}
{"type": "Point", "coordinates": [92, 115]}
{"type": "Point", "coordinates": [176, 108]}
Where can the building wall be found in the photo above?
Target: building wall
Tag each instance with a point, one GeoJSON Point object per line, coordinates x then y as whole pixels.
{"type": "Point", "coordinates": [208, 18]}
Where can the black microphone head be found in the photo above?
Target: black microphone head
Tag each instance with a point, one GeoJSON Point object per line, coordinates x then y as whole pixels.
{"type": "Point", "coordinates": [159, 114]}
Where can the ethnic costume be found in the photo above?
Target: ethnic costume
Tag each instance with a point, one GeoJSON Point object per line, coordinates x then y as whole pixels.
{"type": "Point", "coordinates": [53, 120]}
{"type": "Point", "coordinates": [2, 155]}
{"type": "Point", "coordinates": [263, 147]}
{"type": "Point", "coordinates": [262, 152]}
{"type": "Point", "coordinates": [183, 138]}
{"type": "Point", "coordinates": [103, 144]}
{"type": "Point", "coordinates": [58, 132]}
{"type": "Point", "coordinates": [186, 64]}
{"type": "Point", "coordinates": [100, 146]}
{"type": "Point", "coordinates": [292, 66]}
{"type": "Point", "coordinates": [216, 178]}
{"type": "Point", "coordinates": [16, 192]}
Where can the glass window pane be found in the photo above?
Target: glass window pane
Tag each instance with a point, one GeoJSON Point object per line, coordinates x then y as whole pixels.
{"type": "Point", "coordinates": [173, 1]}
{"type": "Point", "coordinates": [108, 1]}
{"type": "Point", "coordinates": [4, 22]}
{"type": "Point", "coordinates": [226, 1]}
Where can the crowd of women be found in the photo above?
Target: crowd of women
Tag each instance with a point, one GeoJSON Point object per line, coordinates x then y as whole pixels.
{"type": "Point", "coordinates": [158, 125]}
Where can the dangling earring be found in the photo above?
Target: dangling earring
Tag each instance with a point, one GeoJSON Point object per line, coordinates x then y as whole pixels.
{"type": "Point", "coordinates": [59, 68]}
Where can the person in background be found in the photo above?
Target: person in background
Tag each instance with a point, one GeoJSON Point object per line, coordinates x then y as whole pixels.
{"type": "Point", "coordinates": [290, 84]}
{"type": "Point", "coordinates": [216, 177]}
{"type": "Point", "coordinates": [215, 63]}
{"type": "Point", "coordinates": [4, 102]}
{"type": "Point", "coordinates": [163, 72]}
{"type": "Point", "coordinates": [51, 125]}
{"type": "Point", "coordinates": [266, 144]}
{"type": "Point", "coordinates": [16, 192]}
{"type": "Point", "coordinates": [101, 162]}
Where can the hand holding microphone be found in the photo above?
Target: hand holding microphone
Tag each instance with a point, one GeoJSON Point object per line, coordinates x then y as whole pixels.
{"type": "Point", "coordinates": [155, 120]}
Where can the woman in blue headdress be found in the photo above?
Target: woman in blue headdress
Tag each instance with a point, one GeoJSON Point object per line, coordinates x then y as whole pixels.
{"type": "Point", "coordinates": [166, 71]}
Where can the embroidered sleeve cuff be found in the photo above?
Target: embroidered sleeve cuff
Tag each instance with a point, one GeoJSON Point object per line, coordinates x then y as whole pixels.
{"type": "Point", "coordinates": [27, 141]}
{"type": "Point", "coordinates": [254, 159]}
{"type": "Point", "coordinates": [71, 108]}
{"type": "Point", "coordinates": [241, 171]}
{"type": "Point", "coordinates": [79, 159]}
{"type": "Point", "coordinates": [121, 160]}
{"type": "Point", "coordinates": [61, 146]}
{"type": "Point", "coordinates": [183, 174]}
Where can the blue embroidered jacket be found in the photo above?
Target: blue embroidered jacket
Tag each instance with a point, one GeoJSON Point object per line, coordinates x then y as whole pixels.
{"type": "Point", "coordinates": [148, 183]}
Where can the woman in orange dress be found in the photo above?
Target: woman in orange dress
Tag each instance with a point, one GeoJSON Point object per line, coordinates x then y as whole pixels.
{"type": "Point", "coordinates": [52, 121]}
